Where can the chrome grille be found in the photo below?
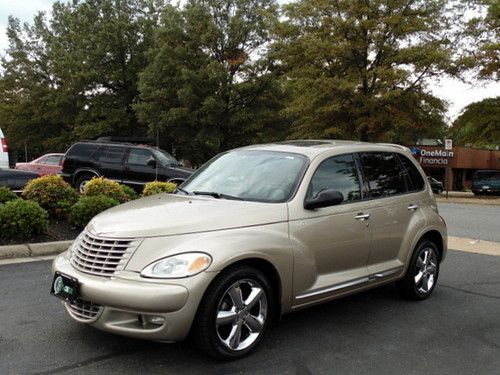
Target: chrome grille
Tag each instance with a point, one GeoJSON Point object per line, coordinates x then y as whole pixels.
{"type": "Point", "coordinates": [101, 256]}
{"type": "Point", "coordinates": [83, 310]}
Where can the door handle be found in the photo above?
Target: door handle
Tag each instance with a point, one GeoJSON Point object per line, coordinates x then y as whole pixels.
{"type": "Point", "coordinates": [362, 216]}
{"type": "Point", "coordinates": [412, 207]}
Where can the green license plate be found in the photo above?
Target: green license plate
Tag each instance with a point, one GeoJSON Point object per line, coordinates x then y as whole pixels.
{"type": "Point", "coordinates": [65, 287]}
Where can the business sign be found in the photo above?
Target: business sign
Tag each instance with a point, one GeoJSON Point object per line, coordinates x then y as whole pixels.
{"type": "Point", "coordinates": [448, 144]}
{"type": "Point", "coordinates": [432, 158]}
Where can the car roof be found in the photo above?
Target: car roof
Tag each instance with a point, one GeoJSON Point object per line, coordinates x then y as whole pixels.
{"type": "Point", "coordinates": [124, 144]}
{"type": "Point", "coordinates": [313, 147]}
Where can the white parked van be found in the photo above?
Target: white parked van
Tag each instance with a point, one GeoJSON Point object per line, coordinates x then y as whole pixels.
{"type": "Point", "coordinates": [4, 151]}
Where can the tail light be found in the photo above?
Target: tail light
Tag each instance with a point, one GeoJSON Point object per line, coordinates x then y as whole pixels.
{"type": "Point", "coordinates": [5, 146]}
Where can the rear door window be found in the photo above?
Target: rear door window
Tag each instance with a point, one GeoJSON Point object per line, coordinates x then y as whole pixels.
{"type": "Point", "coordinates": [82, 150]}
{"type": "Point", "coordinates": [110, 154]}
{"type": "Point", "coordinates": [383, 173]}
{"type": "Point", "coordinates": [417, 182]}
{"type": "Point", "coordinates": [337, 173]}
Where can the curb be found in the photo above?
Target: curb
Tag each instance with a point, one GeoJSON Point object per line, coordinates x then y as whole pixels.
{"type": "Point", "coordinates": [34, 249]}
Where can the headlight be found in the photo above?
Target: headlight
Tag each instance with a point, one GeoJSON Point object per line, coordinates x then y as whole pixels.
{"type": "Point", "coordinates": [177, 266]}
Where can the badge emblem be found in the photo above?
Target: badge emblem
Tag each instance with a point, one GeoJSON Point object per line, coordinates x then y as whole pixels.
{"type": "Point", "coordinates": [58, 285]}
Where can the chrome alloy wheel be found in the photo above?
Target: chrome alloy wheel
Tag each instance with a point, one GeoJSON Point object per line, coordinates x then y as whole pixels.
{"type": "Point", "coordinates": [426, 270]}
{"type": "Point", "coordinates": [241, 314]}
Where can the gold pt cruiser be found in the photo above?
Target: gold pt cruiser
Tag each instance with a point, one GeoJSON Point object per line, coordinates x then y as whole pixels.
{"type": "Point", "coordinates": [257, 232]}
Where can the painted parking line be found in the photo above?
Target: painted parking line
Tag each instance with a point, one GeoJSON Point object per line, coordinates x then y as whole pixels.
{"type": "Point", "coordinates": [472, 245]}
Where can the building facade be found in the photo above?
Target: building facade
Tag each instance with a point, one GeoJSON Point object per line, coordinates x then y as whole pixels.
{"type": "Point", "coordinates": [455, 167]}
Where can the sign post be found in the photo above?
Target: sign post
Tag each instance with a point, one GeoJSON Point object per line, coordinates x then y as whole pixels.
{"type": "Point", "coordinates": [448, 145]}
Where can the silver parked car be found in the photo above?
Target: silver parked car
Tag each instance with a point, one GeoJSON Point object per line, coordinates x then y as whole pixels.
{"type": "Point", "coordinates": [257, 232]}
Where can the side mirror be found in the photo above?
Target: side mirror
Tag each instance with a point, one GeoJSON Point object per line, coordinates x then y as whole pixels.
{"type": "Point", "coordinates": [152, 162]}
{"type": "Point", "coordinates": [325, 198]}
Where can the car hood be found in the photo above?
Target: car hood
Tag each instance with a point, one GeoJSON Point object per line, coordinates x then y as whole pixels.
{"type": "Point", "coordinates": [172, 214]}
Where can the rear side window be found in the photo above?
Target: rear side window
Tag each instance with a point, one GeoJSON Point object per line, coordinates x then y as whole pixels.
{"type": "Point", "coordinates": [337, 173]}
{"type": "Point", "coordinates": [82, 150]}
{"type": "Point", "coordinates": [383, 173]}
{"type": "Point", "coordinates": [110, 154]}
{"type": "Point", "coordinates": [52, 160]}
{"type": "Point", "coordinates": [416, 180]}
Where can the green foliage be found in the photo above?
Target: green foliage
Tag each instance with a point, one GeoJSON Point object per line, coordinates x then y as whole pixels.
{"type": "Point", "coordinates": [484, 34]}
{"type": "Point", "coordinates": [478, 125]}
{"type": "Point", "coordinates": [359, 70]}
{"type": "Point", "coordinates": [157, 187]}
{"type": "Point", "coordinates": [208, 86]}
{"type": "Point", "coordinates": [52, 193]}
{"type": "Point", "coordinates": [74, 75]}
{"type": "Point", "coordinates": [88, 207]}
{"type": "Point", "coordinates": [6, 194]}
{"type": "Point", "coordinates": [102, 186]}
{"type": "Point", "coordinates": [22, 219]}
{"type": "Point", "coordinates": [129, 192]}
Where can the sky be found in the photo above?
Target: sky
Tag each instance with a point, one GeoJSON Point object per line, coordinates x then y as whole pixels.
{"type": "Point", "coordinates": [455, 92]}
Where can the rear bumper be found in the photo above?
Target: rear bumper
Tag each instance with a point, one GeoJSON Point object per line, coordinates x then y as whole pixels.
{"type": "Point", "coordinates": [127, 304]}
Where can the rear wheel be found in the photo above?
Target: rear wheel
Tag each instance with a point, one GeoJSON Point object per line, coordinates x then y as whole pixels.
{"type": "Point", "coordinates": [234, 313]}
{"type": "Point", "coordinates": [82, 180]}
{"type": "Point", "coordinates": [423, 272]}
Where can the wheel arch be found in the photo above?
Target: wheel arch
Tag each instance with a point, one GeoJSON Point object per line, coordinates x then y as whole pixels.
{"type": "Point", "coordinates": [436, 237]}
{"type": "Point", "coordinates": [82, 171]}
{"type": "Point", "coordinates": [269, 270]}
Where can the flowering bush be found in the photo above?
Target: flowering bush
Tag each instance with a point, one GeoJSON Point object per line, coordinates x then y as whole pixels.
{"type": "Point", "coordinates": [102, 186]}
{"type": "Point", "coordinates": [157, 187]}
{"type": "Point", "coordinates": [51, 193]}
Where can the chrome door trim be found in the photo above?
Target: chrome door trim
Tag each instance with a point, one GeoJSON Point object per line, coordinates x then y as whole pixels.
{"type": "Point", "coordinates": [333, 288]}
{"type": "Point", "coordinates": [380, 275]}
{"type": "Point", "coordinates": [347, 284]}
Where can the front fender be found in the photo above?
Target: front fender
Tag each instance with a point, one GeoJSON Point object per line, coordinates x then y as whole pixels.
{"type": "Point", "coordinates": [226, 247]}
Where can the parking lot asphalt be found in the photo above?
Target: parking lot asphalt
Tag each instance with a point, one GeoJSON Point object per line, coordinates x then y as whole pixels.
{"type": "Point", "coordinates": [456, 331]}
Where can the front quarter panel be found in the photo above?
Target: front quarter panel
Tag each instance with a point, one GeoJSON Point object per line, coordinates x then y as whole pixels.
{"type": "Point", "coordinates": [226, 247]}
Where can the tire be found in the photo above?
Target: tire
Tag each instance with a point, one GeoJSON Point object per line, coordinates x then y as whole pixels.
{"type": "Point", "coordinates": [423, 272]}
{"type": "Point", "coordinates": [82, 181]}
{"type": "Point", "coordinates": [218, 337]}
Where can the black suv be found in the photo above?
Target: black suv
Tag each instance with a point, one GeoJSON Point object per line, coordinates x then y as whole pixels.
{"type": "Point", "coordinates": [129, 164]}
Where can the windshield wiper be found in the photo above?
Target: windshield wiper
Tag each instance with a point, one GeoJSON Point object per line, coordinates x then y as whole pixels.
{"type": "Point", "coordinates": [184, 191]}
{"type": "Point", "coordinates": [217, 195]}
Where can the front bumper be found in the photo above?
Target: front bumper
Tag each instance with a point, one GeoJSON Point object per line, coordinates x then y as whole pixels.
{"type": "Point", "coordinates": [129, 305]}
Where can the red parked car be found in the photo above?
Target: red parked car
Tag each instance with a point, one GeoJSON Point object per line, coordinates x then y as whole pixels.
{"type": "Point", "coordinates": [46, 164]}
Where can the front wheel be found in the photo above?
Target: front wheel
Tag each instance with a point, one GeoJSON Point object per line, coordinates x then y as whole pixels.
{"type": "Point", "coordinates": [234, 314]}
{"type": "Point", "coordinates": [423, 272]}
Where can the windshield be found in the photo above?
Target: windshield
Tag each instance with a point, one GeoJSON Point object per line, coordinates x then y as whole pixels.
{"type": "Point", "coordinates": [263, 176]}
{"type": "Point", "coordinates": [165, 158]}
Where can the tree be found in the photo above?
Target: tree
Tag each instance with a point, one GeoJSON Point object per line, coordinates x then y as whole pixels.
{"type": "Point", "coordinates": [478, 125]}
{"type": "Point", "coordinates": [76, 75]}
{"type": "Point", "coordinates": [359, 69]}
{"type": "Point", "coordinates": [208, 86]}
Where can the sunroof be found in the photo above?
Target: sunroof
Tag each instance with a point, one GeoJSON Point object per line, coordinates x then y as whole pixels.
{"type": "Point", "coordinates": [306, 143]}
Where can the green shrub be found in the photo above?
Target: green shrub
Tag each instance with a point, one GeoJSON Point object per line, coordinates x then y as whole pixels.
{"type": "Point", "coordinates": [87, 207]}
{"type": "Point", "coordinates": [51, 193]}
{"type": "Point", "coordinates": [157, 187]}
{"type": "Point", "coordinates": [102, 186]}
{"type": "Point", "coordinates": [131, 193]}
{"type": "Point", "coordinates": [6, 194]}
{"type": "Point", "coordinates": [22, 219]}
